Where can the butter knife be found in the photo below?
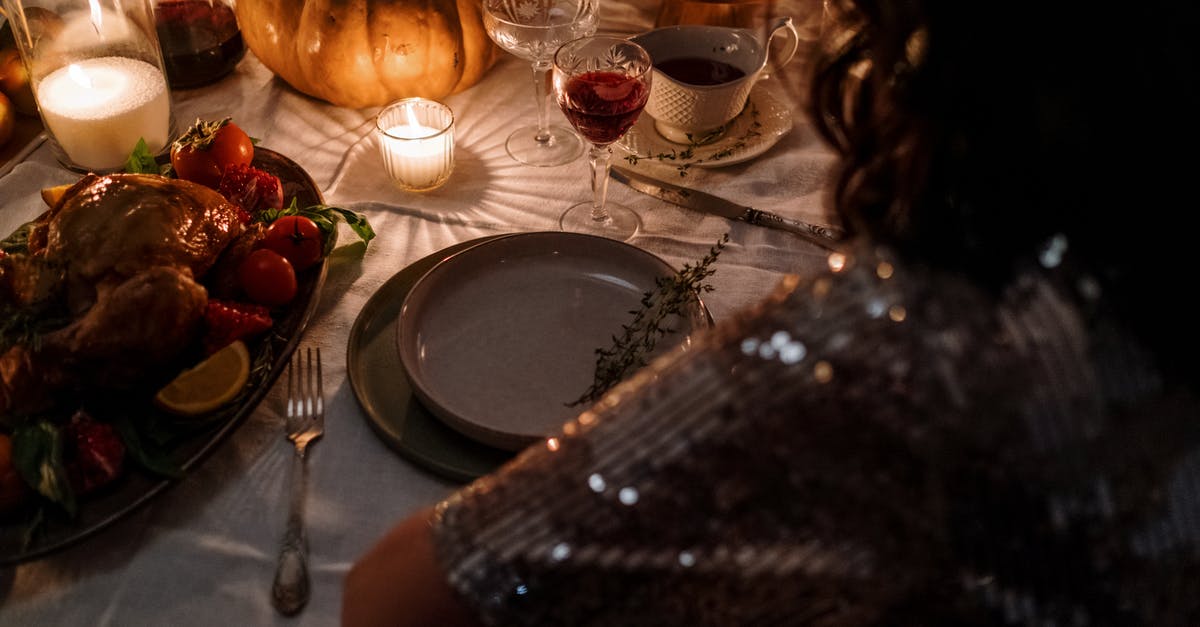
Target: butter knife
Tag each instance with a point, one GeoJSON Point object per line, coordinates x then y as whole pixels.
{"type": "Point", "coordinates": [695, 199]}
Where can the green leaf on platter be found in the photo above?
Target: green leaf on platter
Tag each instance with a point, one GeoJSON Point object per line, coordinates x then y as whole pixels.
{"type": "Point", "coordinates": [141, 160]}
{"type": "Point", "coordinates": [38, 457]}
{"type": "Point", "coordinates": [139, 450]}
{"type": "Point", "coordinates": [325, 217]}
{"type": "Point", "coordinates": [17, 242]}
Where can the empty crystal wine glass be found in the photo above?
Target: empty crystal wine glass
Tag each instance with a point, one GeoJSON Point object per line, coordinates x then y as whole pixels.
{"type": "Point", "coordinates": [533, 30]}
{"type": "Point", "coordinates": [602, 84]}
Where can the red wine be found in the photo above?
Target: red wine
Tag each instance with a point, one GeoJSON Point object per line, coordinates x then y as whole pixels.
{"type": "Point", "coordinates": [699, 71]}
{"type": "Point", "coordinates": [200, 41]}
{"type": "Point", "coordinates": [603, 105]}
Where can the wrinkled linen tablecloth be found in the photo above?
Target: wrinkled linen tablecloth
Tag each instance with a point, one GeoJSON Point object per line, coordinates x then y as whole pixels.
{"type": "Point", "coordinates": [203, 552]}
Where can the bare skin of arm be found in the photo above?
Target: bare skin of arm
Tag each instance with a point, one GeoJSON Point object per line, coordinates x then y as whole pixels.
{"type": "Point", "coordinates": [399, 582]}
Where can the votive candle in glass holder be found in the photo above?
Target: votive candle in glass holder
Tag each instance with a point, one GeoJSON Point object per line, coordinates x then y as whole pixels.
{"type": "Point", "coordinates": [416, 140]}
{"type": "Point", "coordinates": [97, 75]}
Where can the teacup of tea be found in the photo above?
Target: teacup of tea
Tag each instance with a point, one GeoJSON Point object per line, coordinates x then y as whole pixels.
{"type": "Point", "coordinates": [703, 76]}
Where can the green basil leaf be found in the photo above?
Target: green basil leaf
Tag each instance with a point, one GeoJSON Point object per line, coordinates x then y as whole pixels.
{"type": "Point", "coordinates": [141, 160]}
{"type": "Point", "coordinates": [38, 457]}
{"type": "Point", "coordinates": [18, 241]}
{"type": "Point", "coordinates": [155, 461]}
{"type": "Point", "coordinates": [325, 217]}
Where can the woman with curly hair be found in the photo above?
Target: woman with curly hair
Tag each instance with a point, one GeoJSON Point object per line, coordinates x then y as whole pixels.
{"type": "Point", "coordinates": [986, 412]}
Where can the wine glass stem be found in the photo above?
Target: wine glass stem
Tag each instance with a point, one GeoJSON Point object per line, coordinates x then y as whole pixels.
{"type": "Point", "coordinates": [599, 157]}
{"type": "Point", "coordinates": [541, 70]}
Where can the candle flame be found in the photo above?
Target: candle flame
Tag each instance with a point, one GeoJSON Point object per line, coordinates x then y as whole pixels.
{"type": "Point", "coordinates": [79, 76]}
{"type": "Point", "coordinates": [97, 14]}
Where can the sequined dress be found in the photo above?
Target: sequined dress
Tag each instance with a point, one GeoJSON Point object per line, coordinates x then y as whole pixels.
{"type": "Point", "coordinates": [881, 445]}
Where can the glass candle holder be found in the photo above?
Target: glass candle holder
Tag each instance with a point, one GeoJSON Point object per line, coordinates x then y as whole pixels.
{"type": "Point", "coordinates": [97, 76]}
{"type": "Point", "coordinates": [416, 140]}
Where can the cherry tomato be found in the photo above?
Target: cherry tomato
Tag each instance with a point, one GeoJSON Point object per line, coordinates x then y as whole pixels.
{"type": "Point", "coordinates": [207, 148]}
{"type": "Point", "coordinates": [297, 238]}
{"type": "Point", "coordinates": [267, 278]}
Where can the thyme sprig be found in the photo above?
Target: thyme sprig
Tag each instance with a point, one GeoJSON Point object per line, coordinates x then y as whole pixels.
{"type": "Point", "coordinates": [687, 154]}
{"type": "Point", "coordinates": [637, 340]}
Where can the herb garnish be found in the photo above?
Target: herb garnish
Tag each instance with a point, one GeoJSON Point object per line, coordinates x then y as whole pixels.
{"type": "Point", "coordinates": [142, 161]}
{"type": "Point", "coordinates": [639, 337]}
{"type": "Point", "coordinates": [739, 143]}
{"type": "Point", "coordinates": [325, 217]}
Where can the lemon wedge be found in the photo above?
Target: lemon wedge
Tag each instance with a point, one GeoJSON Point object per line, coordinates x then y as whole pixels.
{"type": "Point", "coordinates": [51, 195]}
{"type": "Point", "coordinates": [209, 384]}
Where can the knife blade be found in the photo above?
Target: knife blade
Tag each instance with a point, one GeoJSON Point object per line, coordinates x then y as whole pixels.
{"type": "Point", "coordinates": [826, 236]}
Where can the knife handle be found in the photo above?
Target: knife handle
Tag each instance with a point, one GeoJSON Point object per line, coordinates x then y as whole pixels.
{"type": "Point", "coordinates": [765, 218]}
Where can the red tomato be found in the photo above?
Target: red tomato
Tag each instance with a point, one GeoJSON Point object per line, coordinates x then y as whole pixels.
{"type": "Point", "coordinates": [297, 238]}
{"type": "Point", "coordinates": [267, 278]}
{"type": "Point", "coordinates": [207, 148]}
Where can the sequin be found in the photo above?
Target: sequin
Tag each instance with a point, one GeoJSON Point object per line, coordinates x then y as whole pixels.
{"type": "Point", "coordinates": [792, 353]}
{"type": "Point", "coordinates": [745, 459]}
{"type": "Point", "coordinates": [560, 552]}
{"type": "Point", "coordinates": [1052, 254]}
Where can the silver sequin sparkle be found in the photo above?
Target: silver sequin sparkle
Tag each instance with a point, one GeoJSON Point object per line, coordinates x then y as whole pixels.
{"type": "Point", "coordinates": [560, 552]}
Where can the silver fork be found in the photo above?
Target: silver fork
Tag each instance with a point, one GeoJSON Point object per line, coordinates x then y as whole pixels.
{"type": "Point", "coordinates": [305, 423]}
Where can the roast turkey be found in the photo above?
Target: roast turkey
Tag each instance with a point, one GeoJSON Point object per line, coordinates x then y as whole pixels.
{"type": "Point", "coordinates": [119, 259]}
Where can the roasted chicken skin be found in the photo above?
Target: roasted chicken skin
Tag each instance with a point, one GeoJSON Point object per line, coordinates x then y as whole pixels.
{"type": "Point", "coordinates": [122, 256]}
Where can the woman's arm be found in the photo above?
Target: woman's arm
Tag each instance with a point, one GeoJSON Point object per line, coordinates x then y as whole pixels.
{"type": "Point", "coordinates": [399, 582]}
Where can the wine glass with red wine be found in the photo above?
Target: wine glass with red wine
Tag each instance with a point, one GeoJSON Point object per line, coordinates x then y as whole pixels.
{"type": "Point", "coordinates": [533, 30]}
{"type": "Point", "coordinates": [602, 84]}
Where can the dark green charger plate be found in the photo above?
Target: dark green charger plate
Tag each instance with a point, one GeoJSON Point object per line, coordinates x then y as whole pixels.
{"type": "Point", "coordinates": [381, 385]}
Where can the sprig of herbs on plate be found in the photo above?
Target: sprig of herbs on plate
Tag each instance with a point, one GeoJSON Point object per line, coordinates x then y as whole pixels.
{"type": "Point", "coordinates": [637, 339]}
{"type": "Point", "coordinates": [686, 155]}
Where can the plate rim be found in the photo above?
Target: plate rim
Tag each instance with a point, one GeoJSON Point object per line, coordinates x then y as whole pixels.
{"type": "Point", "coordinates": [475, 430]}
{"type": "Point", "coordinates": [390, 423]}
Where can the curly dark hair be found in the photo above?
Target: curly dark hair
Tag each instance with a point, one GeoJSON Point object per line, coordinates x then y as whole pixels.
{"type": "Point", "coordinates": [970, 133]}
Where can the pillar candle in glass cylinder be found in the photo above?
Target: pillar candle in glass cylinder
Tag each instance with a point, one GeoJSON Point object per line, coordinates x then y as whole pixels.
{"type": "Point", "coordinates": [416, 141]}
{"type": "Point", "coordinates": [97, 107]}
{"type": "Point", "coordinates": [97, 75]}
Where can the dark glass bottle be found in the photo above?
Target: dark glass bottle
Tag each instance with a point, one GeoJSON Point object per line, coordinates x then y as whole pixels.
{"type": "Point", "coordinates": [200, 40]}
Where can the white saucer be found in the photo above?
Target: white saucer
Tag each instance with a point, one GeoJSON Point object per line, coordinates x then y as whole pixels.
{"type": "Point", "coordinates": [764, 121]}
{"type": "Point", "coordinates": [499, 339]}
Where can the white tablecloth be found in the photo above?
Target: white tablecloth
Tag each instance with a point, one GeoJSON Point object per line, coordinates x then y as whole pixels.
{"type": "Point", "coordinates": [203, 552]}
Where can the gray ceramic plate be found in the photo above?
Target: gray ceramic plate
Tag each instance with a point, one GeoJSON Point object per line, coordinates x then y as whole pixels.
{"type": "Point", "coordinates": [500, 339]}
{"type": "Point", "coordinates": [379, 383]}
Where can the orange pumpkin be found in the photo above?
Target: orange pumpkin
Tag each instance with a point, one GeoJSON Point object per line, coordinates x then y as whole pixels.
{"type": "Point", "coordinates": [361, 53]}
